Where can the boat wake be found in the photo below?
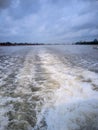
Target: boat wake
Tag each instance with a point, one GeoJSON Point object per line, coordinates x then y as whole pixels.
{"type": "Point", "coordinates": [39, 91]}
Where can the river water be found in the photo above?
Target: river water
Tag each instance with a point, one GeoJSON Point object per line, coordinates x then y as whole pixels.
{"type": "Point", "coordinates": [49, 88]}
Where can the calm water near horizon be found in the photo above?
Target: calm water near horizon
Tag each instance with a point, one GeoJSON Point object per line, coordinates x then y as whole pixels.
{"type": "Point", "coordinates": [49, 87]}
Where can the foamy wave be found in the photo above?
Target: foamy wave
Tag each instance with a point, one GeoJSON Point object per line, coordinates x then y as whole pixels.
{"type": "Point", "coordinates": [75, 101]}
{"type": "Point", "coordinates": [42, 91]}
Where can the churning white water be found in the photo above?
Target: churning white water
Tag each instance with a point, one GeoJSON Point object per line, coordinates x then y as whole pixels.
{"type": "Point", "coordinates": [42, 89]}
{"type": "Point", "coordinates": [75, 102]}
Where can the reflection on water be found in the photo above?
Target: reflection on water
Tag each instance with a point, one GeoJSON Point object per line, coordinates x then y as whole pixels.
{"type": "Point", "coordinates": [49, 88]}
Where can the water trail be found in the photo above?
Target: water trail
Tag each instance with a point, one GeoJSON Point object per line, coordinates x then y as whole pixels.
{"type": "Point", "coordinates": [42, 92]}
{"type": "Point", "coordinates": [9, 68]}
{"type": "Point", "coordinates": [23, 114]}
{"type": "Point", "coordinates": [75, 101]}
{"type": "Point", "coordinates": [33, 90]}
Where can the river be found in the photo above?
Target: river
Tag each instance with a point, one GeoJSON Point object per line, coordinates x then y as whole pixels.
{"type": "Point", "coordinates": [49, 87]}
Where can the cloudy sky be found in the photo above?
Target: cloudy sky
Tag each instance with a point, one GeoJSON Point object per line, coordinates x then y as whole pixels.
{"type": "Point", "coordinates": [48, 20]}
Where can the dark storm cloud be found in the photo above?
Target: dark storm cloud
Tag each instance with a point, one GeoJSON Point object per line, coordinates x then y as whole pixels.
{"type": "Point", "coordinates": [48, 20]}
{"type": "Point", "coordinates": [5, 3]}
{"type": "Point", "coordinates": [21, 8]}
{"type": "Point", "coordinates": [60, 1]}
{"type": "Point", "coordinates": [86, 26]}
{"type": "Point", "coordinates": [30, 5]}
{"type": "Point", "coordinates": [90, 23]}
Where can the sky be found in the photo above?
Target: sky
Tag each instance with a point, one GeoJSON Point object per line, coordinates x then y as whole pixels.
{"type": "Point", "coordinates": [48, 21]}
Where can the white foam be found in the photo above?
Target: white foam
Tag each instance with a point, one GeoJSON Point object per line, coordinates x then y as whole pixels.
{"type": "Point", "coordinates": [73, 115]}
{"type": "Point", "coordinates": [25, 75]}
{"type": "Point", "coordinates": [73, 105]}
{"type": "Point", "coordinates": [75, 102]}
{"type": "Point", "coordinates": [4, 108]}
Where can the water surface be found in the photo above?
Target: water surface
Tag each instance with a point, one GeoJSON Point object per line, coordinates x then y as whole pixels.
{"type": "Point", "coordinates": [49, 88]}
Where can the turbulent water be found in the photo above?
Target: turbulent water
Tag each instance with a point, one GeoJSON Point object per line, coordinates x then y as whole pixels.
{"type": "Point", "coordinates": [49, 88]}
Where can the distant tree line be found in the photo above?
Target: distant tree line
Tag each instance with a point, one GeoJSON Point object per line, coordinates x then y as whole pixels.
{"type": "Point", "coordinates": [18, 44]}
{"type": "Point", "coordinates": [26, 44]}
{"type": "Point", "coordinates": [94, 42]}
